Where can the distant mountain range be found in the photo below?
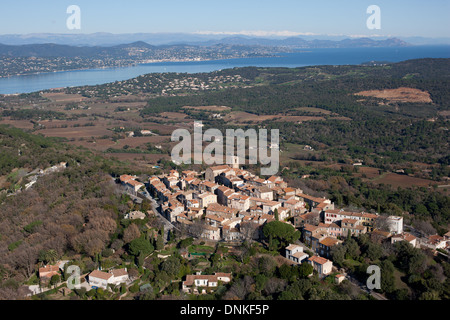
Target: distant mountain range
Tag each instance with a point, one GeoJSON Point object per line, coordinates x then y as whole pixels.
{"type": "Point", "coordinates": [298, 42]}
{"type": "Point", "coordinates": [109, 39]}
{"type": "Point", "coordinates": [126, 50]}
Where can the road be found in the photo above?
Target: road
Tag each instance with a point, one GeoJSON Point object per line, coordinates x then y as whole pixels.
{"type": "Point", "coordinates": [364, 288]}
{"type": "Point", "coordinates": [167, 224]}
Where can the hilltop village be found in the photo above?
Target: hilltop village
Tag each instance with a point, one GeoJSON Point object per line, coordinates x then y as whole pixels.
{"type": "Point", "coordinates": [228, 204]}
{"type": "Point", "coordinates": [208, 219]}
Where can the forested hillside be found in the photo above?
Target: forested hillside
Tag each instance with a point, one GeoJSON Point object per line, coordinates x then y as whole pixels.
{"type": "Point", "coordinates": [68, 212]}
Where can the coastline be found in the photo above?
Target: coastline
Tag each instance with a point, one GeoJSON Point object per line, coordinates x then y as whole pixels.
{"type": "Point", "coordinates": [137, 63]}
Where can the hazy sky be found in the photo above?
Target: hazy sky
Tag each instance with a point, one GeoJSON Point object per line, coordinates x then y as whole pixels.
{"type": "Point", "coordinates": [287, 17]}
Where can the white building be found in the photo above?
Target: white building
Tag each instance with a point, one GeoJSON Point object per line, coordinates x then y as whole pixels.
{"type": "Point", "coordinates": [193, 283]}
{"type": "Point", "coordinates": [395, 224]}
{"type": "Point", "coordinates": [295, 253]}
{"type": "Point", "coordinates": [102, 279]}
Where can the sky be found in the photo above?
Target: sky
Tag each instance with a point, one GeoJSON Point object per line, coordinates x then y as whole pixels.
{"type": "Point", "coordinates": [250, 17]}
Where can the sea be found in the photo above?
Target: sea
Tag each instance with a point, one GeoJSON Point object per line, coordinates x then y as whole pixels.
{"type": "Point", "coordinates": [299, 58]}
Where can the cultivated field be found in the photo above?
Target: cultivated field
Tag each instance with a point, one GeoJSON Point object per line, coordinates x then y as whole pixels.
{"type": "Point", "coordinates": [401, 94]}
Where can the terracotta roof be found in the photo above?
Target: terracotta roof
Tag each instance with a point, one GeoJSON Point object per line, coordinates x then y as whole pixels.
{"type": "Point", "coordinates": [126, 178]}
{"type": "Point", "coordinates": [351, 221]}
{"type": "Point", "coordinates": [210, 184]}
{"type": "Point", "coordinates": [435, 238]}
{"type": "Point", "coordinates": [119, 272]}
{"type": "Point", "coordinates": [322, 205]}
{"type": "Point", "coordinates": [300, 254]}
{"type": "Point", "coordinates": [292, 246]}
{"type": "Point", "coordinates": [329, 242]}
{"type": "Point", "coordinates": [100, 274]}
{"type": "Point", "coordinates": [315, 199]}
{"type": "Point", "coordinates": [310, 227]}
{"type": "Point", "coordinates": [52, 269]}
{"type": "Point", "coordinates": [215, 207]}
{"type": "Point", "coordinates": [211, 278]}
{"type": "Point", "coordinates": [135, 183]}
{"type": "Point", "coordinates": [318, 260]}
{"type": "Point", "coordinates": [214, 217]}
{"type": "Point", "coordinates": [405, 236]}
{"type": "Point", "coordinates": [219, 168]}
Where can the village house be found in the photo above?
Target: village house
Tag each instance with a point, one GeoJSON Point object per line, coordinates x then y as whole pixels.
{"type": "Point", "coordinates": [208, 186]}
{"type": "Point", "coordinates": [211, 233]}
{"type": "Point", "coordinates": [220, 210]}
{"type": "Point", "coordinates": [324, 246]}
{"type": "Point", "coordinates": [170, 181]}
{"type": "Point", "coordinates": [295, 253]}
{"type": "Point", "coordinates": [133, 215]}
{"type": "Point", "coordinates": [174, 173]}
{"type": "Point", "coordinates": [239, 202]}
{"type": "Point", "coordinates": [47, 272]}
{"type": "Point", "coordinates": [223, 193]}
{"type": "Point", "coordinates": [192, 203]}
{"type": "Point", "coordinates": [295, 206]}
{"type": "Point", "coordinates": [264, 193]}
{"type": "Point", "coordinates": [102, 279]}
{"type": "Point", "coordinates": [352, 227]}
{"type": "Point", "coordinates": [395, 224]}
{"type": "Point", "coordinates": [405, 237]}
{"type": "Point", "coordinates": [311, 218]}
{"type": "Point", "coordinates": [339, 278]}
{"type": "Point", "coordinates": [231, 234]}
{"type": "Point", "coordinates": [434, 242]}
{"type": "Point", "coordinates": [275, 181]}
{"type": "Point", "coordinates": [134, 186]}
{"type": "Point", "coordinates": [364, 219]}
{"type": "Point", "coordinates": [447, 236]}
{"type": "Point", "coordinates": [198, 284]}
{"type": "Point", "coordinates": [322, 265]}
{"type": "Point", "coordinates": [188, 173]}
{"type": "Point", "coordinates": [283, 213]}
{"type": "Point", "coordinates": [270, 206]}
{"type": "Point", "coordinates": [212, 172]}
{"type": "Point", "coordinates": [205, 199]}
{"type": "Point", "coordinates": [214, 220]}
{"type": "Point", "coordinates": [312, 201]}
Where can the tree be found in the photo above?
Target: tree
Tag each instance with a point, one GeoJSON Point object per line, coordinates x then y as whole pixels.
{"type": "Point", "coordinates": [131, 232]}
{"type": "Point", "coordinates": [352, 248]}
{"type": "Point", "coordinates": [48, 256]}
{"type": "Point", "coordinates": [55, 279]}
{"type": "Point", "coordinates": [184, 243]}
{"type": "Point", "coordinates": [285, 272]}
{"type": "Point", "coordinates": [159, 243]}
{"type": "Point", "coordinates": [387, 276]}
{"type": "Point", "coordinates": [338, 254]}
{"type": "Point", "coordinates": [140, 245]}
{"type": "Point", "coordinates": [267, 265]}
{"type": "Point", "coordinates": [171, 266]}
{"type": "Point", "coordinates": [373, 251]}
{"type": "Point", "coordinates": [305, 269]}
{"type": "Point", "coordinates": [283, 232]}
{"type": "Point", "coordinates": [250, 231]}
